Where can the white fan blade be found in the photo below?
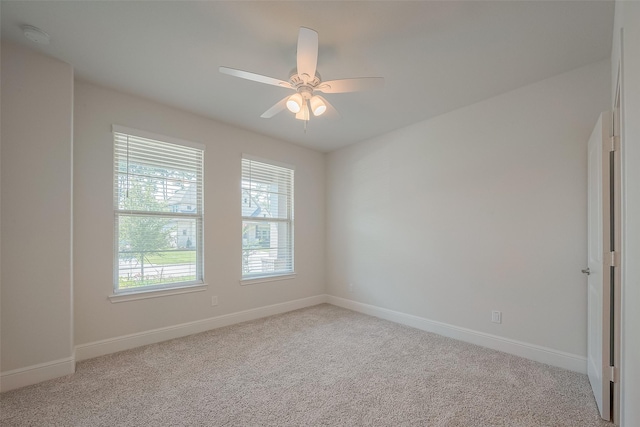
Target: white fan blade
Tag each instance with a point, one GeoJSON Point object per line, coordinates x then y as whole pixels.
{"type": "Point", "coordinates": [279, 106]}
{"type": "Point", "coordinates": [254, 77]}
{"type": "Point", "coordinates": [351, 85]}
{"type": "Point", "coordinates": [307, 55]}
{"type": "Point", "coordinates": [331, 112]}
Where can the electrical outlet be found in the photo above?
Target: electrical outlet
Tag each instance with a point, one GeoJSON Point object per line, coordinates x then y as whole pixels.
{"type": "Point", "coordinates": [214, 301]}
{"type": "Point", "coordinates": [496, 317]}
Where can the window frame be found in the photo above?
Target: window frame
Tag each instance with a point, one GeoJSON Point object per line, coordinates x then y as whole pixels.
{"type": "Point", "coordinates": [261, 277]}
{"type": "Point", "coordinates": [173, 288]}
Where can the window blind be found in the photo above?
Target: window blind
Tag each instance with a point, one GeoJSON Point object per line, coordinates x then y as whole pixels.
{"type": "Point", "coordinates": [267, 219]}
{"type": "Point", "coordinates": [158, 209]}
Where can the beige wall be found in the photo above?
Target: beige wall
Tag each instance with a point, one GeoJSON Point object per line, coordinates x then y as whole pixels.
{"type": "Point", "coordinates": [480, 209]}
{"type": "Point", "coordinates": [626, 43]}
{"type": "Point", "coordinates": [37, 126]}
{"type": "Point", "coordinates": [96, 109]}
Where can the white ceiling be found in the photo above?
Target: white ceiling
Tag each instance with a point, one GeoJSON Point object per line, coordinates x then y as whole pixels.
{"type": "Point", "coordinates": [435, 56]}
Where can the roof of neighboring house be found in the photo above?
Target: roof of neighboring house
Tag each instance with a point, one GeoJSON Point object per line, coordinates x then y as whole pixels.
{"type": "Point", "coordinates": [184, 197]}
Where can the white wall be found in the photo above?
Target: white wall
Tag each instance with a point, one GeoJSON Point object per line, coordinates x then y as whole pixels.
{"type": "Point", "coordinates": [627, 19]}
{"type": "Point", "coordinates": [96, 109]}
{"type": "Point", "coordinates": [37, 144]}
{"type": "Point", "coordinates": [480, 209]}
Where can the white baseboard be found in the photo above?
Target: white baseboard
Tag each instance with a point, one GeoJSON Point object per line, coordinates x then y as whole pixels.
{"type": "Point", "coordinates": [33, 374]}
{"type": "Point", "coordinates": [126, 342]}
{"type": "Point", "coordinates": [534, 352]}
{"type": "Point", "coordinates": [45, 371]}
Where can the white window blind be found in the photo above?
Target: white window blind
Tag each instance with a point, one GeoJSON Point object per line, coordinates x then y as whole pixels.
{"type": "Point", "coordinates": [158, 213]}
{"type": "Point", "coordinates": [267, 219]}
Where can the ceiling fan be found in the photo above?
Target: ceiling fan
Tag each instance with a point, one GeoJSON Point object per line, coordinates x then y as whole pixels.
{"type": "Point", "coordinates": [306, 82]}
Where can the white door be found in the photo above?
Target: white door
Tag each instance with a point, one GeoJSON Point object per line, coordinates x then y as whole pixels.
{"type": "Point", "coordinates": [598, 339]}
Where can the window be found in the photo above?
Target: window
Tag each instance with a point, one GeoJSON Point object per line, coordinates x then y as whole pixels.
{"type": "Point", "coordinates": [267, 219]}
{"type": "Point", "coordinates": [158, 212]}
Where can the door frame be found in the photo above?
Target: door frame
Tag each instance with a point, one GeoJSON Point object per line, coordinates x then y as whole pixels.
{"type": "Point", "coordinates": [605, 377]}
{"type": "Point", "coordinates": [616, 224]}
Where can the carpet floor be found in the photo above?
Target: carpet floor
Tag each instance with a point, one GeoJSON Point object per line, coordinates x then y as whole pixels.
{"type": "Point", "coordinates": [319, 366]}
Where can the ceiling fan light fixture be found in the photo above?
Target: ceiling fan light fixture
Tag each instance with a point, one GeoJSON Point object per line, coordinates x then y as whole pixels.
{"type": "Point", "coordinates": [318, 107]}
{"type": "Point", "coordinates": [294, 103]}
{"type": "Point", "coordinates": [303, 114]}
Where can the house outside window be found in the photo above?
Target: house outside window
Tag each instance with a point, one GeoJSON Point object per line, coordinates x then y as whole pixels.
{"type": "Point", "coordinates": [267, 219]}
{"type": "Point", "coordinates": [158, 212]}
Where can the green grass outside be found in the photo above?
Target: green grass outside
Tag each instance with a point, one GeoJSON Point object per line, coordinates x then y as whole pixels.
{"type": "Point", "coordinates": [125, 283]}
{"type": "Point", "coordinates": [171, 257]}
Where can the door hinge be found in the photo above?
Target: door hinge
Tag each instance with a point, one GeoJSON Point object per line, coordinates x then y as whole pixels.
{"type": "Point", "coordinates": [613, 374]}
{"type": "Point", "coordinates": [612, 259]}
{"type": "Point", "coordinates": [614, 143]}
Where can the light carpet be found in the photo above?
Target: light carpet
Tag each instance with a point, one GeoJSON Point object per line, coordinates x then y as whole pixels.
{"type": "Point", "coordinates": [319, 366]}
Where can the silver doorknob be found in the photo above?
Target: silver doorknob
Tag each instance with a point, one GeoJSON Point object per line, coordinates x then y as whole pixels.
{"type": "Point", "coordinates": [586, 271]}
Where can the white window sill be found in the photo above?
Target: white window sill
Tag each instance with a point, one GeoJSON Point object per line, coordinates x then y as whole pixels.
{"type": "Point", "coordinates": [156, 293]}
{"type": "Point", "coordinates": [265, 279]}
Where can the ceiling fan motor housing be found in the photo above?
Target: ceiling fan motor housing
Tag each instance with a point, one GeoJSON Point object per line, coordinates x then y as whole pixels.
{"type": "Point", "coordinates": [302, 87]}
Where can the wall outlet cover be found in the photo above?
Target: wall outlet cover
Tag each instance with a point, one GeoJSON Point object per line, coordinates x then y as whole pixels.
{"type": "Point", "coordinates": [496, 317]}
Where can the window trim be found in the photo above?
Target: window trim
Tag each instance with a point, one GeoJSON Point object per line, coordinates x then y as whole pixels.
{"type": "Point", "coordinates": [270, 278]}
{"type": "Point", "coordinates": [157, 293]}
{"type": "Point", "coordinates": [268, 161]}
{"type": "Point", "coordinates": [153, 291]}
{"type": "Point", "coordinates": [276, 276]}
{"type": "Point", "coordinates": [157, 137]}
